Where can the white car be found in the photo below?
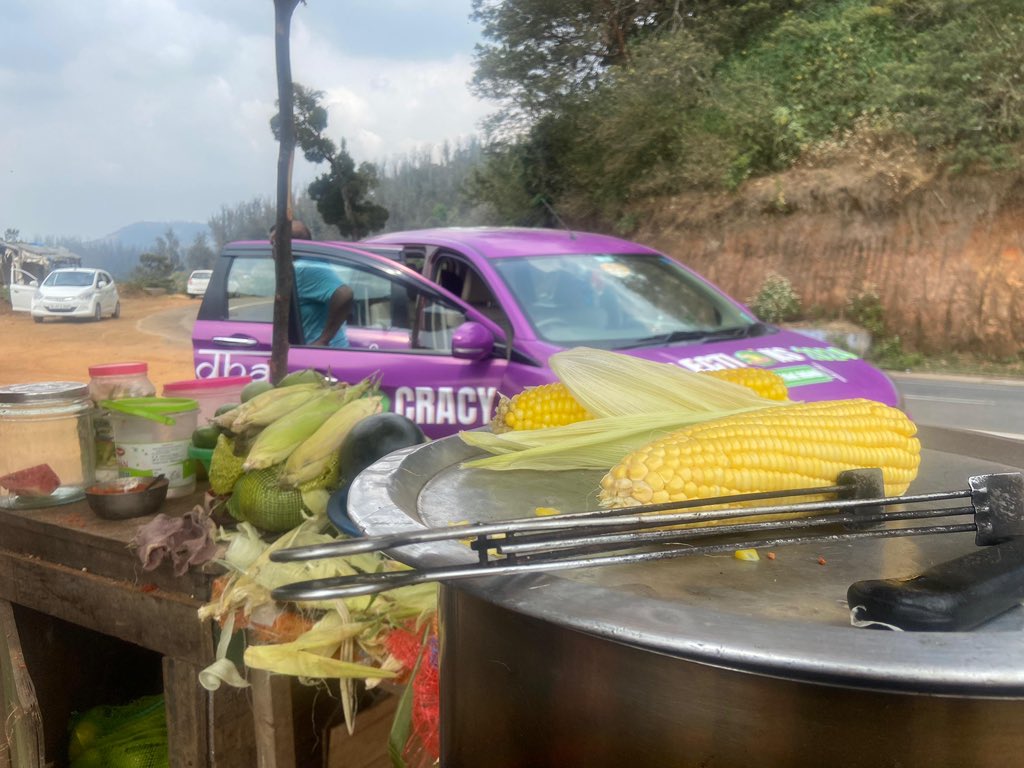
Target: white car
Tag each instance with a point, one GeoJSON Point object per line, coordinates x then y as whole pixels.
{"type": "Point", "coordinates": [197, 282]}
{"type": "Point", "coordinates": [78, 292]}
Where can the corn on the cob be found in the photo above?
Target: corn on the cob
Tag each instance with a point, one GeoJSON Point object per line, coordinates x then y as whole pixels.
{"type": "Point", "coordinates": [553, 405]}
{"type": "Point", "coordinates": [267, 406]}
{"type": "Point", "coordinates": [782, 447]}
{"type": "Point", "coordinates": [278, 439]}
{"type": "Point", "coordinates": [547, 405]}
{"type": "Point", "coordinates": [767, 384]}
{"type": "Point", "coordinates": [315, 453]}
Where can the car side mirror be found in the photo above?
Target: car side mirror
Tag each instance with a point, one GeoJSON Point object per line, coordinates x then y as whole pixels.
{"type": "Point", "coordinates": [33, 283]}
{"type": "Point", "coordinates": [472, 341]}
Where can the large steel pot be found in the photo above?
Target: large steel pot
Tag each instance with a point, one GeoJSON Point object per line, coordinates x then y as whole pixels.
{"type": "Point", "coordinates": [708, 662]}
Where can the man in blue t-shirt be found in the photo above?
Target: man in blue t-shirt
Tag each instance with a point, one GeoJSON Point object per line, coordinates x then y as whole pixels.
{"type": "Point", "coordinates": [325, 302]}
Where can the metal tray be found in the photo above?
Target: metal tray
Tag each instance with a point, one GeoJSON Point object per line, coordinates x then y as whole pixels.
{"type": "Point", "coordinates": [786, 617]}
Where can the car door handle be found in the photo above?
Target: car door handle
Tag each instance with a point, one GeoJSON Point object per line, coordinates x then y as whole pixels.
{"type": "Point", "coordinates": [236, 341]}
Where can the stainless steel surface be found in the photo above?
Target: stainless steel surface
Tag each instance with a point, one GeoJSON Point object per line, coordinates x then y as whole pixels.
{"type": "Point", "coordinates": [603, 537]}
{"type": "Point", "coordinates": [784, 617]}
{"type": "Point", "coordinates": [518, 691]}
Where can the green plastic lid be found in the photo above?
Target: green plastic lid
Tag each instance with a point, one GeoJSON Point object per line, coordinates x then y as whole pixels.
{"type": "Point", "coordinates": [160, 409]}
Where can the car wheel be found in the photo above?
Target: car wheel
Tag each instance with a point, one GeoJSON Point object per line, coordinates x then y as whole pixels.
{"type": "Point", "coordinates": [37, 318]}
{"type": "Point", "coordinates": [117, 311]}
{"type": "Point", "coordinates": [98, 315]}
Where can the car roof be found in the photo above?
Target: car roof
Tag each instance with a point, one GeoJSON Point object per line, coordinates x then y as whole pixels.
{"type": "Point", "coordinates": [503, 242]}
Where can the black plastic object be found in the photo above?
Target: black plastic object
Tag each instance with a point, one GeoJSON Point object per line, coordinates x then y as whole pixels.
{"type": "Point", "coordinates": [954, 596]}
{"type": "Point", "coordinates": [337, 512]}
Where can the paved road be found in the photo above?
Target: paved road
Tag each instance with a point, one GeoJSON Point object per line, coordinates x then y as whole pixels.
{"type": "Point", "coordinates": [962, 402]}
{"type": "Point", "coordinates": [173, 324]}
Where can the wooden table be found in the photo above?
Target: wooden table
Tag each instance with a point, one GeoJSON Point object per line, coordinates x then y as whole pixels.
{"type": "Point", "coordinates": [91, 627]}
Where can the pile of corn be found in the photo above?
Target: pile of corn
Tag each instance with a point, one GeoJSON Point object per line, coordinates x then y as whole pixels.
{"type": "Point", "coordinates": [278, 453]}
{"type": "Point", "coordinates": [664, 434]}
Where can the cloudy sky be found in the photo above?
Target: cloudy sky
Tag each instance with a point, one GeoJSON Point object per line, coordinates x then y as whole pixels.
{"type": "Point", "coordinates": [117, 111]}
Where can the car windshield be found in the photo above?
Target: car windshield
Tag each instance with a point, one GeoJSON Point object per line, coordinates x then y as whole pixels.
{"type": "Point", "coordinates": [69, 279]}
{"type": "Point", "coordinates": [203, 274]}
{"type": "Point", "coordinates": [620, 301]}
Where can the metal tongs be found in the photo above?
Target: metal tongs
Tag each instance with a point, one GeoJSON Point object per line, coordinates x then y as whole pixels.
{"type": "Point", "coordinates": [860, 509]}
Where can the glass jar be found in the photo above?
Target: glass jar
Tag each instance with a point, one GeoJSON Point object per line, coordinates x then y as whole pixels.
{"type": "Point", "coordinates": [46, 444]}
{"type": "Point", "coordinates": [114, 381]}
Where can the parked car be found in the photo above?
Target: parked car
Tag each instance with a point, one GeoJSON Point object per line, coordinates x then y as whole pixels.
{"type": "Point", "coordinates": [197, 283]}
{"type": "Point", "coordinates": [76, 292]}
{"type": "Point", "coordinates": [448, 318]}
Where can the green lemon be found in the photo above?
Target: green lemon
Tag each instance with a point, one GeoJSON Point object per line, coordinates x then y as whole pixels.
{"type": "Point", "coordinates": [225, 408]}
{"type": "Point", "coordinates": [205, 437]}
{"type": "Point", "coordinates": [253, 388]}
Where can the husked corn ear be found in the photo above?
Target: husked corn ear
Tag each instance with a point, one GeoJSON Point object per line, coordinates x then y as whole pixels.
{"type": "Point", "coordinates": [547, 405]}
{"type": "Point", "coordinates": [775, 448]}
{"type": "Point", "coordinates": [767, 384]}
{"type": "Point", "coordinates": [553, 405]}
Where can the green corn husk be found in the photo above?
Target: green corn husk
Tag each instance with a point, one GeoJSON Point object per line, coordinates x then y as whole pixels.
{"type": "Point", "coordinates": [634, 401]}
{"type": "Point", "coordinates": [592, 444]}
{"type": "Point", "coordinates": [277, 440]}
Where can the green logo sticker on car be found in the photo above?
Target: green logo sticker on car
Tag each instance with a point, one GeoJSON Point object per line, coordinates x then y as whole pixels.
{"type": "Point", "coordinates": [800, 375]}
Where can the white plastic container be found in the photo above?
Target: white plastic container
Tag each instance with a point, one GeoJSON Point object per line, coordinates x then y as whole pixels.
{"type": "Point", "coordinates": [211, 394]}
{"type": "Point", "coordinates": [114, 381]}
{"type": "Point", "coordinates": [151, 437]}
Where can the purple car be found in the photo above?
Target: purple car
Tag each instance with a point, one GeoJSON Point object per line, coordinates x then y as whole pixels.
{"type": "Point", "coordinates": [449, 318]}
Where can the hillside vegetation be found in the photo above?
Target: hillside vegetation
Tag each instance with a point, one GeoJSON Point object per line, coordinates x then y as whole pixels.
{"type": "Point", "coordinates": [849, 145]}
{"type": "Point", "coordinates": [606, 103]}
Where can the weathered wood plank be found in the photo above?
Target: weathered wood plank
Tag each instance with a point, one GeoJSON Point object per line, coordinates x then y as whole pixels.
{"type": "Point", "coordinates": [73, 536]}
{"type": "Point", "coordinates": [21, 737]}
{"type": "Point", "coordinates": [159, 620]}
{"type": "Point", "coordinates": [272, 715]}
{"type": "Point", "coordinates": [367, 745]}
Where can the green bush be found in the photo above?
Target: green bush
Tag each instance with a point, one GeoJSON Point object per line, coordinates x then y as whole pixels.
{"type": "Point", "coordinates": [776, 302]}
{"type": "Point", "coordinates": [865, 309]}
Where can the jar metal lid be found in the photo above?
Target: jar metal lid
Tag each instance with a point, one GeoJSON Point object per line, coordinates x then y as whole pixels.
{"type": "Point", "coordinates": [118, 369]}
{"type": "Point", "coordinates": [44, 392]}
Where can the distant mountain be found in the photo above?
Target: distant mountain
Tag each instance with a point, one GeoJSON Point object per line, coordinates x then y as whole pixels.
{"type": "Point", "coordinates": [118, 252]}
{"type": "Point", "coordinates": [142, 235]}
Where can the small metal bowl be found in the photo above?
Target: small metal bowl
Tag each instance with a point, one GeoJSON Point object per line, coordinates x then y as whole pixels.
{"type": "Point", "coordinates": [127, 497]}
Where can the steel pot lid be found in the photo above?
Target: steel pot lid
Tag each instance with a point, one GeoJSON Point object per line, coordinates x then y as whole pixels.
{"type": "Point", "coordinates": [785, 617]}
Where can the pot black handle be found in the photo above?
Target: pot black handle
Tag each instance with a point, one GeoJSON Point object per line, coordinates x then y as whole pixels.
{"type": "Point", "coordinates": [953, 596]}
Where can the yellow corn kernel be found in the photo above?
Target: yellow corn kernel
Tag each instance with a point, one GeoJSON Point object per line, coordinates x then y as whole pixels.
{"type": "Point", "coordinates": [547, 405]}
{"type": "Point", "coordinates": [767, 384]}
{"type": "Point", "coordinates": [776, 448]}
{"type": "Point", "coordinates": [553, 405]}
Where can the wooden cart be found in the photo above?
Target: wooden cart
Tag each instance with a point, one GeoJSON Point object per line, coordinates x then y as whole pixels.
{"type": "Point", "coordinates": [85, 625]}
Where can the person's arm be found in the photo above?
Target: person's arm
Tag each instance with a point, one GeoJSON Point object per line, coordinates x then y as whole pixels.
{"type": "Point", "coordinates": [338, 309]}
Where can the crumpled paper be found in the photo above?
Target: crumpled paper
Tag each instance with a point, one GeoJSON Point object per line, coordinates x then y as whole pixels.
{"type": "Point", "coordinates": [187, 540]}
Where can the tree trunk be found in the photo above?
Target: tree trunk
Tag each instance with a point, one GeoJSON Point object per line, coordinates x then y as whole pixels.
{"type": "Point", "coordinates": [283, 270]}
